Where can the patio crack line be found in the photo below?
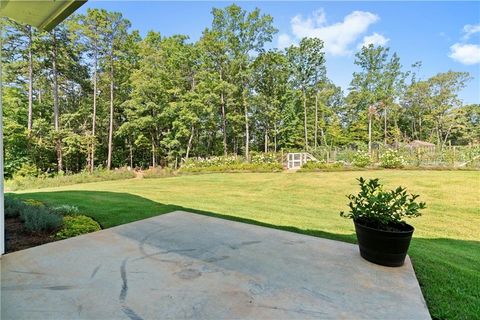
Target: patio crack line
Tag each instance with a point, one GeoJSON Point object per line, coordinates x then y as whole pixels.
{"type": "Point", "coordinates": [123, 293]}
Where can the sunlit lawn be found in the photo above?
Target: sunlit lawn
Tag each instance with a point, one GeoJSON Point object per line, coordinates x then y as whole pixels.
{"type": "Point", "coordinates": [446, 246]}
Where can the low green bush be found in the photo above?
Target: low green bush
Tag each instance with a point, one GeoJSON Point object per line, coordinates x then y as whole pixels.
{"type": "Point", "coordinates": [260, 162]}
{"type": "Point", "coordinates": [33, 203]}
{"type": "Point", "coordinates": [158, 173]}
{"type": "Point", "coordinates": [361, 159]}
{"type": "Point", "coordinates": [391, 159]}
{"type": "Point", "coordinates": [323, 166]}
{"type": "Point", "coordinates": [264, 158]}
{"type": "Point", "coordinates": [13, 207]}
{"type": "Point", "coordinates": [40, 219]}
{"type": "Point", "coordinates": [236, 167]}
{"type": "Point", "coordinates": [65, 209]}
{"type": "Point", "coordinates": [77, 225]}
{"type": "Point", "coordinates": [22, 183]}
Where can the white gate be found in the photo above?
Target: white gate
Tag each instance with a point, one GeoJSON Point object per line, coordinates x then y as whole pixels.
{"type": "Point", "coordinates": [297, 160]}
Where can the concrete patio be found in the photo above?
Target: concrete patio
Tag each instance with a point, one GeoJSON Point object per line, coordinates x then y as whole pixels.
{"type": "Point", "coordinates": [187, 266]}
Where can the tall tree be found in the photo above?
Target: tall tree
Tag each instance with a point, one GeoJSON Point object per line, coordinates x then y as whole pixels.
{"type": "Point", "coordinates": [307, 65]}
{"type": "Point", "coordinates": [244, 33]}
{"type": "Point", "coordinates": [91, 29]}
{"type": "Point", "coordinates": [116, 32]}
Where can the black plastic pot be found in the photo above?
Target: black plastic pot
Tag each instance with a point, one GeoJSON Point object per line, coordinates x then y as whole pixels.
{"type": "Point", "coordinates": [387, 248]}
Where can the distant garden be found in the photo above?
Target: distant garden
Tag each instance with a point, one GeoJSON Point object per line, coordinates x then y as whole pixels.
{"type": "Point", "coordinates": [93, 95]}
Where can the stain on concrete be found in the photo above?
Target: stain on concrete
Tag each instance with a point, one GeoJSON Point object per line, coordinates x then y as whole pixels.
{"type": "Point", "coordinates": [94, 272]}
{"type": "Point", "coordinates": [242, 244]}
{"type": "Point", "coordinates": [188, 274]}
{"type": "Point", "coordinates": [59, 287]}
{"type": "Point", "coordinates": [123, 275]}
{"type": "Point", "coordinates": [28, 272]}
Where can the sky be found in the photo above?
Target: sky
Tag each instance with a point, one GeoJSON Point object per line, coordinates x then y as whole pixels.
{"type": "Point", "coordinates": [442, 35]}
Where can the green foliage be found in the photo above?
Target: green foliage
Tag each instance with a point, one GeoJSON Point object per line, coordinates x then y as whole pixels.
{"type": "Point", "coordinates": [392, 159]}
{"type": "Point", "coordinates": [65, 209]}
{"type": "Point", "coordinates": [382, 209]}
{"type": "Point", "coordinates": [260, 162]}
{"type": "Point", "coordinates": [361, 159]}
{"type": "Point", "coordinates": [77, 225]}
{"type": "Point", "coordinates": [40, 219]}
{"type": "Point", "coordinates": [212, 162]}
{"type": "Point", "coordinates": [83, 177]}
{"type": "Point", "coordinates": [13, 207]}
{"type": "Point", "coordinates": [33, 203]}
{"type": "Point", "coordinates": [235, 167]}
{"type": "Point", "coordinates": [27, 170]}
{"type": "Point", "coordinates": [158, 173]}
{"type": "Point", "coordinates": [264, 158]}
{"type": "Point", "coordinates": [324, 166]}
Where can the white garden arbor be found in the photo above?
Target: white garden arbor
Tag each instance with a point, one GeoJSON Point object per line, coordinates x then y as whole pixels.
{"type": "Point", "coordinates": [44, 15]}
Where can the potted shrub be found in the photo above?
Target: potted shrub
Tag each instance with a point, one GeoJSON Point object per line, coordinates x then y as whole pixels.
{"type": "Point", "coordinates": [383, 236]}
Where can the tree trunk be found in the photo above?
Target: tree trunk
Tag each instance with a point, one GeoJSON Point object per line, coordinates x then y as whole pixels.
{"type": "Point", "coordinates": [190, 142]}
{"type": "Point", "coordinates": [131, 154]}
{"type": "Point", "coordinates": [385, 125]}
{"type": "Point", "coordinates": [275, 137]}
{"type": "Point", "coordinates": [94, 114]}
{"type": "Point", "coordinates": [154, 158]}
{"type": "Point", "coordinates": [305, 118]}
{"type": "Point", "coordinates": [110, 131]}
{"type": "Point", "coordinates": [58, 143]}
{"type": "Point", "coordinates": [316, 119]}
{"type": "Point", "coordinates": [370, 134]}
{"type": "Point", "coordinates": [30, 80]}
{"type": "Point", "coordinates": [247, 132]}
{"type": "Point", "coordinates": [266, 139]}
{"type": "Point", "coordinates": [224, 124]}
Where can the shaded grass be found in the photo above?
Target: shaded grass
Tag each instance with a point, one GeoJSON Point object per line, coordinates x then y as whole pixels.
{"type": "Point", "coordinates": [445, 249]}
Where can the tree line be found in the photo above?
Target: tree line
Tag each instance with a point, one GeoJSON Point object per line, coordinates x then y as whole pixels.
{"type": "Point", "coordinates": [94, 93]}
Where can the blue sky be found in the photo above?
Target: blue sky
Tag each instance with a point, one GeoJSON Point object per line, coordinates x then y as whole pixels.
{"type": "Point", "coordinates": [443, 35]}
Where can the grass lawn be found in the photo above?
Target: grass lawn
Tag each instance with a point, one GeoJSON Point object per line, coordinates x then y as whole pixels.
{"type": "Point", "coordinates": [445, 250]}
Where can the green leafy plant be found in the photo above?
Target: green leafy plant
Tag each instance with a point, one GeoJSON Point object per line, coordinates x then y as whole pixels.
{"type": "Point", "coordinates": [361, 159]}
{"type": "Point", "coordinates": [33, 203]}
{"type": "Point", "coordinates": [77, 225]}
{"type": "Point", "coordinates": [65, 209]}
{"type": "Point", "coordinates": [13, 207]}
{"type": "Point", "coordinates": [377, 208]}
{"type": "Point", "coordinates": [392, 159]}
{"type": "Point", "coordinates": [40, 219]}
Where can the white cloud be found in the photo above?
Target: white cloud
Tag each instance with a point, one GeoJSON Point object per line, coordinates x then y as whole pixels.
{"type": "Point", "coordinates": [465, 53]}
{"type": "Point", "coordinates": [337, 37]}
{"type": "Point", "coordinates": [285, 41]}
{"type": "Point", "coordinates": [470, 29]}
{"type": "Point", "coordinates": [376, 39]}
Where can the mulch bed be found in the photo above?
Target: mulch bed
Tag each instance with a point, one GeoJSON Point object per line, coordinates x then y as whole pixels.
{"type": "Point", "coordinates": [17, 238]}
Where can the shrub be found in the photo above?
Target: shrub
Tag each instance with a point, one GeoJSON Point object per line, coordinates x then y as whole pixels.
{"type": "Point", "coordinates": [391, 159]}
{"type": "Point", "coordinates": [40, 219]}
{"type": "Point", "coordinates": [380, 209]}
{"type": "Point", "coordinates": [77, 225]}
{"type": "Point", "coordinates": [236, 167]}
{"type": "Point", "coordinates": [13, 207]}
{"type": "Point", "coordinates": [158, 173]}
{"type": "Point", "coordinates": [21, 183]}
{"type": "Point", "coordinates": [260, 163]}
{"type": "Point", "coordinates": [322, 165]}
{"type": "Point", "coordinates": [211, 162]}
{"type": "Point", "coordinates": [65, 209]}
{"type": "Point", "coordinates": [264, 158]}
{"type": "Point", "coordinates": [361, 159]}
{"type": "Point", "coordinates": [33, 203]}
{"type": "Point", "coordinates": [27, 170]}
